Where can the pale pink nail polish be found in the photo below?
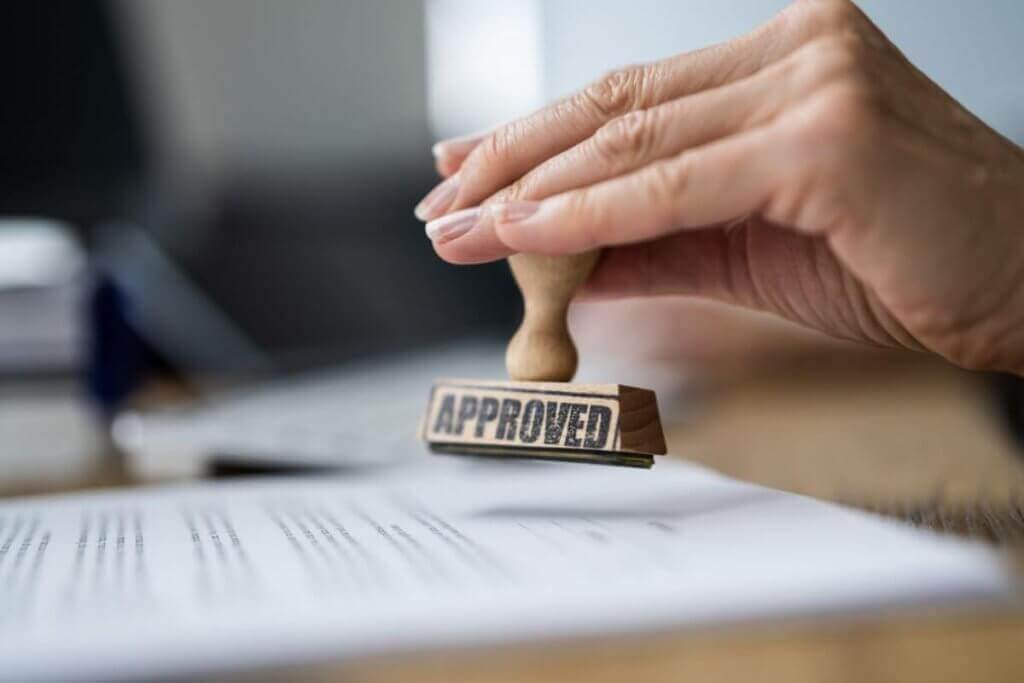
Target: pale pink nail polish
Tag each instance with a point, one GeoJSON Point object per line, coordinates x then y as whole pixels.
{"type": "Point", "coordinates": [438, 200]}
{"type": "Point", "coordinates": [510, 212]}
{"type": "Point", "coordinates": [454, 225]}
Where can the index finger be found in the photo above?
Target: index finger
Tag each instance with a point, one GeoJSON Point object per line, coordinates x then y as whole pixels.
{"type": "Point", "coordinates": [705, 186]}
{"type": "Point", "coordinates": [709, 185]}
{"type": "Point", "coordinates": [512, 150]}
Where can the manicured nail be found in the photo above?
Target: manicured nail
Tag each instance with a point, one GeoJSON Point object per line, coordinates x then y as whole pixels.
{"type": "Point", "coordinates": [453, 225]}
{"type": "Point", "coordinates": [438, 200]}
{"type": "Point", "coordinates": [511, 212]}
{"type": "Point", "coordinates": [456, 147]}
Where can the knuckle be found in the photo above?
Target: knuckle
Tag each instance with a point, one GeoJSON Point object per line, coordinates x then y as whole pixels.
{"type": "Point", "coordinates": [615, 93]}
{"type": "Point", "coordinates": [493, 150]}
{"type": "Point", "coordinates": [666, 183]}
{"type": "Point", "coordinates": [624, 140]}
{"type": "Point", "coordinates": [838, 124]}
{"type": "Point", "coordinates": [827, 16]}
{"type": "Point", "coordinates": [836, 57]}
{"type": "Point", "coordinates": [495, 146]}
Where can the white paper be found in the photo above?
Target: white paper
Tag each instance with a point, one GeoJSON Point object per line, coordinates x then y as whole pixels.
{"type": "Point", "coordinates": [197, 578]}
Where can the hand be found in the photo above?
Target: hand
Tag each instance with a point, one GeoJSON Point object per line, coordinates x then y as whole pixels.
{"type": "Point", "coordinates": [806, 169]}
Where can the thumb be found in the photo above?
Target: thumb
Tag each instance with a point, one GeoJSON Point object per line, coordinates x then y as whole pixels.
{"type": "Point", "coordinates": [700, 263]}
{"type": "Point", "coordinates": [756, 265]}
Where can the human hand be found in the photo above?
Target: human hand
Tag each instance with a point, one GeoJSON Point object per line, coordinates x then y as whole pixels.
{"type": "Point", "coordinates": [806, 169]}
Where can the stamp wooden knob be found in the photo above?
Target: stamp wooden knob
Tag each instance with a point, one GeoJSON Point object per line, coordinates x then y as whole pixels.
{"type": "Point", "coordinates": [542, 349]}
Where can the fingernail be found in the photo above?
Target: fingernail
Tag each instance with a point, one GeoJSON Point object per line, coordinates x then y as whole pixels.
{"type": "Point", "coordinates": [511, 212]}
{"type": "Point", "coordinates": [454, 225]}
{"type": "Point", "coordinates": [459, 147]}
{"type": "Point", "coordinates": [438, 200]}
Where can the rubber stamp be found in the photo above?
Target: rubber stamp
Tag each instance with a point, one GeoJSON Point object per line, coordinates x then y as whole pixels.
{"type": "Point", "coordinates": [539, 413]}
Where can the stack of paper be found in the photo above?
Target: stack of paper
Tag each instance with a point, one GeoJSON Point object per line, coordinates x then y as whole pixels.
{"type": "Point", "coordinates": [197, 578]}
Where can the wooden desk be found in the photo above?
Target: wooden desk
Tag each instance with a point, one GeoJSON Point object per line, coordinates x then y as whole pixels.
{"type": "Point", "coordinates": [894, 434]}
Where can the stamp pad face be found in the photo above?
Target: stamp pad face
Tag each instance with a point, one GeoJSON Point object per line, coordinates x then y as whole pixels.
{"type": "Point", "coordinates": [595, 423]}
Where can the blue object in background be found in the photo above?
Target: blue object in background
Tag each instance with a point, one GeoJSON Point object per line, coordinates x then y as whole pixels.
{"type": "Point", "coordinates": [119, 360]}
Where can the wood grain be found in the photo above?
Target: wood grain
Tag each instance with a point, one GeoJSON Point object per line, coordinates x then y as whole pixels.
{"type": "Point", "coordinates": [542, 349]}
{"type": "Point", "coordinates": [897, 435]}
{"type": "Point", "coordinates": [896, 649]}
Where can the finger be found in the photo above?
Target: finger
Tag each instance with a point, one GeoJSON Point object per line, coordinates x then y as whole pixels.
{"type": "Point", "coordinates": [748, 262]}
{"type": "Point", "coordinates": [707, 185]}
{"type": "Point", "coordinates": [757, 265]}
{"type": "Point", "coordinates": [728, 177]}
{"type": "Point", "coordinates": [632, 141]}
{"type": "Point", "coordinates": [467, 237]}
{"type": "Point", "coordinates": [447, 166]}
{"type": "Point", "coordinates": [689, 263]}
{"type": "Point", "coordinates": [449, 154]}
{"type": "Point", "coordinates": [516, 148]}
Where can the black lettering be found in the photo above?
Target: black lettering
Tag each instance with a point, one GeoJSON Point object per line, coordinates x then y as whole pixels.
{"type": "Point", "coordinates": [467, 411]}
{"type": "Point", "coordinates": [597, 427]}
{"type": "Point", "coordinates": [488, 413]}
{"type": "Point", "coordinates": [444, 415]}
{"type": "Point", "coordinates": [553, 427]}
{"type": "Point", "coordinates": [510, 408]}
{"type": "Point", "coordinates": [572, 430]}
{"type": "Point", "coordinates": [533, 419]}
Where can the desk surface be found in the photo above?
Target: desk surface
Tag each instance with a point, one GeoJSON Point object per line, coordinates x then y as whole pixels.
{"type": "Point", "coordinates": [894, 434]}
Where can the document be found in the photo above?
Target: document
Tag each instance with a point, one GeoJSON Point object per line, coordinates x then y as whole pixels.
{"type": "Point", "coordinates": [205, 577]}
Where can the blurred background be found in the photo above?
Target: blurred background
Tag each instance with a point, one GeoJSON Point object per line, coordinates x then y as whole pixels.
{"type": "Point", "coordinates": [205, 189]}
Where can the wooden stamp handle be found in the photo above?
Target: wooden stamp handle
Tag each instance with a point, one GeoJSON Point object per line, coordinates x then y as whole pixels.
{"type": "Point", "coordinates": [542, 349]}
